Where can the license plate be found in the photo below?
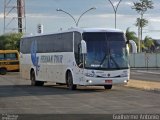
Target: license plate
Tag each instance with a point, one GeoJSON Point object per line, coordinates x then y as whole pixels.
{"type": "Point", "coordinates": [108, 81]}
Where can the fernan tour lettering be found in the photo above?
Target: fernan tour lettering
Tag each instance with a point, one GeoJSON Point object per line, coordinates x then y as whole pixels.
{"type": "Point", "coordinates": [51, 58]}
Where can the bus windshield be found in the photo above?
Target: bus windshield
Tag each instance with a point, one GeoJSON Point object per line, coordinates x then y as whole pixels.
{"type": "Point", "coordinates": [106, 50]}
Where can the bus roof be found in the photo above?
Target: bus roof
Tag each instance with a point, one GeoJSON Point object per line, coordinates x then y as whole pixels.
{"type": "Point", "coordinates": [81, 30]}
{"type": "Point", "coordinates": [95, 30]}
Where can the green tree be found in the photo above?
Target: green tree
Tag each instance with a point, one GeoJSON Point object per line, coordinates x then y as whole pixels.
{"type": "Point", "coordinates": [148, 43]}
{"type": "Point", "coordinates": [10, 41]}
{"type": "Point", "coordinates": [3, 42]}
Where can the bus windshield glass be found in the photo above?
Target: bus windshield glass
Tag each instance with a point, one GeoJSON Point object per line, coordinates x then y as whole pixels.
{"type": "Point", "coordinates": [106, 50]}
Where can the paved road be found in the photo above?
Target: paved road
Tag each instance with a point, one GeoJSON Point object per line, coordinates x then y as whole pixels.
{"type": "Point", "coordinates": [144, 74]}
{"type": "Point", "coordinates": [18, 97]}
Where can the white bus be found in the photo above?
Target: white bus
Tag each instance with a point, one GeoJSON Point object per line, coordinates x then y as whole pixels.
{"type": "Point", "coordinates": [79, 56]}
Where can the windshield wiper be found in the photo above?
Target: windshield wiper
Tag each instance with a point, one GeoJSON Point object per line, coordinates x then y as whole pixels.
{"type": "Point", "coordinates": [104, 58]}
{"type": "Point", "coordinates": [117, 66]}
{"type": "Point", "coordinates": [110, 58]}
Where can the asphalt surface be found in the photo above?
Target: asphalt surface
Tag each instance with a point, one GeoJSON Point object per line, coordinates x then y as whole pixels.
{"type": "Point", "coordinates": [18, 97]}
{"type": "Point", "coordinates": [152, 75]}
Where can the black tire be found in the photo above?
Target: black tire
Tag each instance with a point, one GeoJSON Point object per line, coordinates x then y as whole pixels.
{"type": "Point", "coordinates": [34, 82]}
{"type": "Point", "coordinates": [3, 71]}
{"type": "Point", "coordinates": [33, 78]}
{"type": "Point", "coordinates": [40, 83]}
{"type": "Point", "coordinates": [70, 84]}
{"type": "Point", "coordinates": [108, 87]}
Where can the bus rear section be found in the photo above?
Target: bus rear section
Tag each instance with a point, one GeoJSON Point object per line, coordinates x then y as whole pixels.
{"type": "Point", "coordinates": [9, 61]}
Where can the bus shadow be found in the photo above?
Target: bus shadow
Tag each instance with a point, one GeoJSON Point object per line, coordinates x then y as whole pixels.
{"type": "Point", "coordinates": [27, 90]}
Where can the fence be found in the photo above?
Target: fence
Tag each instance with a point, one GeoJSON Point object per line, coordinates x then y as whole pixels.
{"type": "Point", "coordinates": [144, 60]}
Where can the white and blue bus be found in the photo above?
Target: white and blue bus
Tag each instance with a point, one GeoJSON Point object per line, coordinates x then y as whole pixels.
{"type": "Point", "coordinates": [79, 56]}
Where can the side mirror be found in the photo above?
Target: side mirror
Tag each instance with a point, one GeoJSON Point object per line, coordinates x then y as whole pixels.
{"type": "Point", "coordinates": [83, 47]}
{"type": "Point", "coordinates": [133, 46]}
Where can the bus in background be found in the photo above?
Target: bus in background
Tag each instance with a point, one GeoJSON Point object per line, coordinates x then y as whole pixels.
{"type": "Point", "coordinates": [9, 61]}
{"type": "Point", "coordinates": [79, 56]}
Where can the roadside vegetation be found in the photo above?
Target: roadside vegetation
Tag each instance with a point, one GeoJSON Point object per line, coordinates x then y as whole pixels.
{"type": "Point", "coordinates": [147, 44]}
{"type": "Point", "coordinates": [10, 41]}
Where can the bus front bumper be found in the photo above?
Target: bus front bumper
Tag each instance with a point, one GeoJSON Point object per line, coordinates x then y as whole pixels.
{"type": "Point", "coordinates": [91, 81]}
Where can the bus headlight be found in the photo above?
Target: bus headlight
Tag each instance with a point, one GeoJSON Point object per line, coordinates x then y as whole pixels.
{"type": "Point", "coordinates": [89, 81]}
{"type": "Point", "coordinates": [89, 74]}
{"type": "Point", "coordinates": [126, 81]}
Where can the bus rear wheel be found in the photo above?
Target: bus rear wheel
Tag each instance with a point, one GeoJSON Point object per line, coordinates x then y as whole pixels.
{"type": "Point", "coordinates": [70, 84]}
{"type": "Point", "coordinates": [3, 71]}
{"type": "Point", "coordinates": [34, 82]}
{"type": "Point", "coordinates": [108, 87]}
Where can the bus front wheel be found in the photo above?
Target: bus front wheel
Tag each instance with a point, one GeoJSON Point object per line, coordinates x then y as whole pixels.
{"type": "Point", "coordinates": [70, 84]}
{"type": "Point", "coordinates": [108, 87]}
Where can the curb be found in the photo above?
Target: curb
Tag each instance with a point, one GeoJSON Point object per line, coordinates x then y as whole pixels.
{"type": "Point", "coordinates": [146, 85]}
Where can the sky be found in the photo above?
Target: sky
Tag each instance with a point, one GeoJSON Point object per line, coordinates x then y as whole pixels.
{"type": "Point", "coordinates": [44, 12]}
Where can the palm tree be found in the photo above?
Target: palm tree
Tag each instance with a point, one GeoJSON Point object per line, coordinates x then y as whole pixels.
{"type": "Point", "coordinates": [143, 23]}
{"type": "Point", "coordinates": [148, 43]}
{"type": "Point", "coordinates": [141, 8]}
{"type": "Point", "coordinates": [131, 35]}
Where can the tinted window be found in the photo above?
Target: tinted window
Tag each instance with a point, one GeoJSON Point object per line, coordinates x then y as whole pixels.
{"type": "Point", "coordinates": [55, 43]}
{"type": "Point", "coordinates": [106, 50]}
{"type": "Point", "coordinates": [1, 56]}
{"type": "Point", "coordinates": [112, 36]}
{"type": "Point", "coordinates": [11, 56]}
{"type": "Point", "coordinates": [25, 45]}
{"type": "Point", "coordinates": [49, 43]}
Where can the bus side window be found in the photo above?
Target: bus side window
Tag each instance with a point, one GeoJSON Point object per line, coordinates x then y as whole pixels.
{"type": "Point", "coordinates": [11, 56]}
{"type": "Point", "coordinates": [1, 56]}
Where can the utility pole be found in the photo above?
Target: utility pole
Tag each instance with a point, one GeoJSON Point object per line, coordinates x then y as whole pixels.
{"type": "Point", "coordinates": [20, 15]}
{"type": "Point", "coordinates": [14, 16]}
